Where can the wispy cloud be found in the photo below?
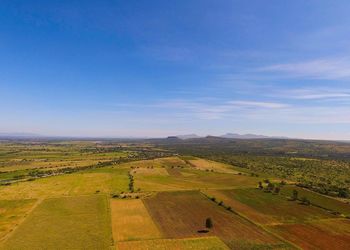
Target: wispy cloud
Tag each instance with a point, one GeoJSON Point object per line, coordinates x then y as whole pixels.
{"type": "Point", "coordinates": [328, 69]}
{"type": "Point", "coordinates": [310, 95]}
{"type": "Point", "coordinates": [206, 110]}
{"type": "Point", "coordinates": [313, 94]}
{"type": "Point", "coordinates": [267, 105]}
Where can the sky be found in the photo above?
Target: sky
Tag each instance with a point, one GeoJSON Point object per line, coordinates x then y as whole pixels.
{"type": "Point", "coordinates": [156, 68]}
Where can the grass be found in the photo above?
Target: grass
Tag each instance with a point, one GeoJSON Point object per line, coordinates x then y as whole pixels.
{"type": "Point", "coordinates": [203, 164]}
{"type": "Point", "coordinates": [22, 156]}
{"type": "Point", "coordinates": [65, 223]}
{"type": "Point", "coordinates": [11, 213]}
{"type": "Point", "coordinates": [131, 221]}
{"type": "Point", "coordinates": [75, 212]}
{"type": "Point", "coordinates": [319, 200]}
{"type": "Point", "coordinates": [205, 243]}
{"type": "Point", "coordinates": [107, 181]}
{"type": "Point", "coordinates": [151, 171]}
{"type": "Point", "coordinates": [158, 163]}
{"type": "Point", "coordinates": [277, 206]}
{"type": "Point", "coordinates": [187, 179]}
{"type": "Point", "coordinates": [241, 208]}
{"type": "Point", "coordinates": [183, 214]}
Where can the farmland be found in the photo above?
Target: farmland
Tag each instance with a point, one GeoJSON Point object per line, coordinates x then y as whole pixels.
{"type": "Point", "coordinates": [178, 217]}
{"type": "Point", "coordinates": [122, 195]}
{"type": "Point", "coordinates": [131, 221]}
{"type": "Point", "coordinates": [65, 223]}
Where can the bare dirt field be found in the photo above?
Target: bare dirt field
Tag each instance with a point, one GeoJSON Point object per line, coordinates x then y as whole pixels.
{"type": "Point", "coordinates": [316, 235]}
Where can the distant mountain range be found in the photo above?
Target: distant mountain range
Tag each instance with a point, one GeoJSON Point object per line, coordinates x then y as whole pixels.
{"type": "Point", "coordinates": [19, 135]}
{"type": "Point", "coordinates": [189, 136]}
{"type": "Point", "coordinates": [232, 136]}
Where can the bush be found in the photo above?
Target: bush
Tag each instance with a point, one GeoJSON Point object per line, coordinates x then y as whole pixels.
{"type": "Point", "coordinates": [295, 195]}
{"type": "Point", "coordinates": [305, 201]}
{"type": "Point", "coordinates": [208, 223]}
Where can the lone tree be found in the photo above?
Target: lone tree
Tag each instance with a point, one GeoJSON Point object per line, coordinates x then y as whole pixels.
{"type": "Point", "coordinates": [208, 223]}
{"type": "Point", "coordinates": [260, 185]}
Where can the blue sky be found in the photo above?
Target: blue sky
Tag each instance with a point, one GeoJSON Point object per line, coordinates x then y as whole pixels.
{"type": "Point", "coordinates": [158, 68]}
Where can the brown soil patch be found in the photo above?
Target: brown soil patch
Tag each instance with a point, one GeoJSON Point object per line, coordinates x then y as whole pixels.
{"type": "Point", "coordinates": [241, 208]}
{"type": "Point", "coordinates": [309, 236]}
{"type": "Point", "coordinates": [183, 214]}
{"type": "Point", "coordinates": [174, 172]}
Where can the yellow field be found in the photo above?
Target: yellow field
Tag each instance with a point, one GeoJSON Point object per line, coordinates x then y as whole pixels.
{"type": "Point", "coordinates": [44, 164]}
{"type": "Point", "coordinates": [11, 213]}
{"type": "Point", "coordinates": [212, 165]}
{"type": "Point", "coordinates": [150, 171]}
{"type": "Point", "coordinates": [203, 243]}
{"type": "Point", "coordinates": [191, 178]}
{"type": "Point", "coordinates": [62, 185]}
{"type": "Point", "coordinates": [80, 222]}
{"type": "Point", "coordinates": [131, 221]}
{"type": "Point", "coordinates": [157, 163]}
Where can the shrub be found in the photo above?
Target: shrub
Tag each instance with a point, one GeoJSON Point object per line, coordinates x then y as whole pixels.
{"type": "Point", "coordinates": [295, 195]}
{"type": "Point", "coordinates": [305, 201]}
{"type": "Point", "coordinates": [208, 223]}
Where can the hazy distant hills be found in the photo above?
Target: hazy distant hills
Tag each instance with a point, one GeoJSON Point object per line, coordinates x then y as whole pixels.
{"type": "Point", "coordinates": [231, 136]}
{"type": "Point", "coordinates": [19, 135]}
{"type": "Point", "coordinates": [189, 136]}
{"type": "Point", "coordinates": [245, 136]}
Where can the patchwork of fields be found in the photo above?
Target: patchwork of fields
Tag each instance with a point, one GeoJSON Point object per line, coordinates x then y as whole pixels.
{"type": "Point", "coordinates": [160, 203]}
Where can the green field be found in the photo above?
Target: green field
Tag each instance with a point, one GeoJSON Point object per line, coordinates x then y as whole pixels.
{"type": "Point", "coordinates": [319, 200]}
{"type": "Point", "coordinates": [80, 222]}
{"type": "Point", "coordinates": [277, 207]}
{"type": "Point", "coordinates": [106, 180]}
{"type": "Point", "coordinates": [192, 179]}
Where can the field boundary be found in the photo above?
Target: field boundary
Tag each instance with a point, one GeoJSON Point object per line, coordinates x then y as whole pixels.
{"type": "Point", "coordinates": [252, 222]}
{"type": "Point", "coordinates": [35, 205]}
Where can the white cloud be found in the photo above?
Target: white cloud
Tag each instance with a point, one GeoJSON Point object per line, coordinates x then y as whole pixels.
{"type": "Point", "coordinates": [328, 69]}
{"type": "Point", "coordinates": [314, 94]}
{"type": "Point", "coordinates": [268, 105]}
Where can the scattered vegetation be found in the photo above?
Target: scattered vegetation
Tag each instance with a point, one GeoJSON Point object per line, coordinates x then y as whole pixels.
{"type": "Point", "coordinates": [76, 192]}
